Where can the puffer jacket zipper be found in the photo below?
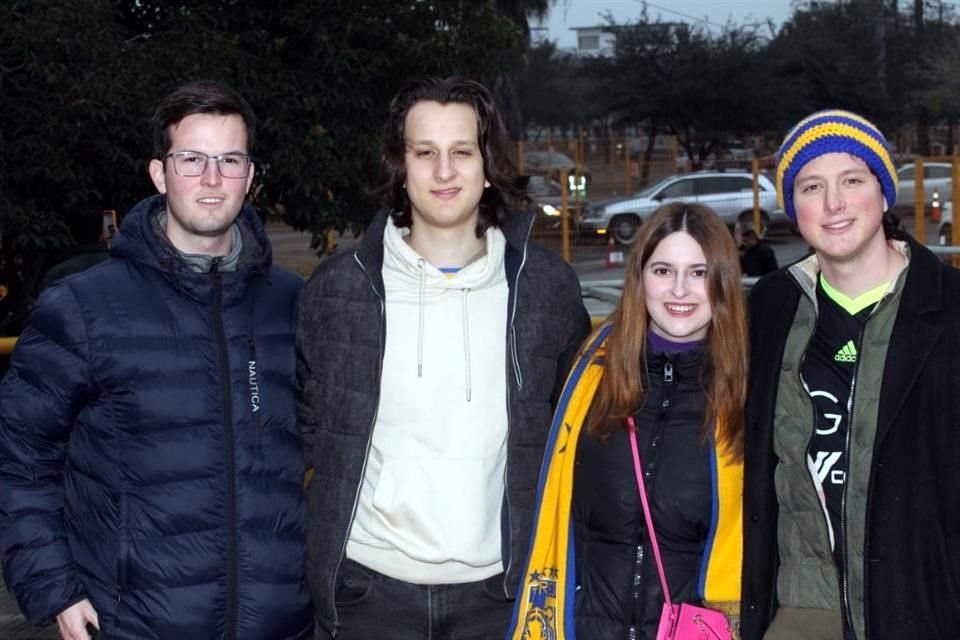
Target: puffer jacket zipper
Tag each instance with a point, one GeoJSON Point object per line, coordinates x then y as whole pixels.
{"type": "Point", "coordinates": [849, 630]}
{"type": "Point", "coordinates": [363, 469]}
{"type": "Point", "coordinates": [636, 592]}
{"type": "Point", "coordinates": [507, 528]}
{"type": "Point", "coordinates": [230, 622]}
{"type": "Point", "coordinates": [845, 615]}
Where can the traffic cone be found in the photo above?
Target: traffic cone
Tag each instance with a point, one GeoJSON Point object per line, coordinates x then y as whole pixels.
{"type": "Point", "coordinates": [614, 256]}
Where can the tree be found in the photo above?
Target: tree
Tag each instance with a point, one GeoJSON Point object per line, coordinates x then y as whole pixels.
{"type": "Point", "coordinates": [675, 77]}
{"type": "Point", "coordinates": [65, 116]}
{"type": "Point", "coordinates": [557, 90]}
{"type": "Point", "coordinates": [79, 78]}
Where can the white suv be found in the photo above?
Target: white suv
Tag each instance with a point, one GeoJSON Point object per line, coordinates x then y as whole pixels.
{"type": "Point", "coordinates": [729, 193]}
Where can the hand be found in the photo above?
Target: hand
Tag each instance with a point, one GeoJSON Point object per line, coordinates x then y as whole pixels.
{"type": "Point", "coordinates": [72, 621]}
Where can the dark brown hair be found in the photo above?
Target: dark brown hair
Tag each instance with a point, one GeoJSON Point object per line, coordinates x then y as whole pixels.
{"type": "Point", "coordinates": [500, 197]}
{"type": "Point", "coordinates": [724, 375]}
{"type": "Point", "coordinates": [201, 96]}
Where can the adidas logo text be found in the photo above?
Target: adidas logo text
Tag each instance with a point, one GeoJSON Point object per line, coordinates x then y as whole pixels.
{"type": "Point", "coordinates": [847, 353]}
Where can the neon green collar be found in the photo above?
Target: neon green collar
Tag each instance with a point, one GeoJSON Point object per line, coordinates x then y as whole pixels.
{"type": "Point", "coordinates": [853, 306]}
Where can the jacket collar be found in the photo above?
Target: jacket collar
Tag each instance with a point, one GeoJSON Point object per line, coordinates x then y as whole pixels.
{"type": "Point", "coordinates": [916, 332]}
{"type": "Point", "coordinates": [806, 271]}
{"type": "Point", "coordinates": [515, 226]}
{"type": "Point", "coordinates": [138, 241]}
{"type": "Point", "coordinates": [686, 367]}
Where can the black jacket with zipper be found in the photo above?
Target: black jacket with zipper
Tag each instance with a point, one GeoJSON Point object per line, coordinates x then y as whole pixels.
{"type": "Point", "coordinates": [340, 346]}
{"type": "Point", "coordinates": [619, 585]}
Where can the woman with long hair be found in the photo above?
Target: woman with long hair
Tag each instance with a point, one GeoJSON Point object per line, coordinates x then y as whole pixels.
{"type": "Point", "coordinates": [669, 369]}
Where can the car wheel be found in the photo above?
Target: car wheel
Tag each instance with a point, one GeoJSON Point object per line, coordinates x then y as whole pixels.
{"type": "Point", "coordinates": [946, 235]}
{"type": "Point", "coordinates": [624, 228]}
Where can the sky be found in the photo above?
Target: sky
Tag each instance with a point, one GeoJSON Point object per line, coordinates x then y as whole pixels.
{"type": "Point", "coordinates": [586, 13]}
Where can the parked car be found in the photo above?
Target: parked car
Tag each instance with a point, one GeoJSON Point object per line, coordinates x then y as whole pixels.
{"type": "Point", "coordinates": [545, 195]}
{"type": "Point", "coordinates": [937, 177]}
{"type": "Point", "coordinates": [729, 193]}
{"type": "Point", "coordinates": [543, 162]}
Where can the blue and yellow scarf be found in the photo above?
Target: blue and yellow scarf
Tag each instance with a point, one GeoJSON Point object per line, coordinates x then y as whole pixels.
{"type": "Point", "coordinates": [544, 608]}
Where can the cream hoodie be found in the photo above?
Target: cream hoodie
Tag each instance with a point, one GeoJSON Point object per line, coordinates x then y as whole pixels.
{"type": "Point", "coordinates": [433, 487]}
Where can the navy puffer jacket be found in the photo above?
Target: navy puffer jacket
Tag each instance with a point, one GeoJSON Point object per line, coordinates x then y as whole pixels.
{"type": "Point", "coordinates": [149, 459]}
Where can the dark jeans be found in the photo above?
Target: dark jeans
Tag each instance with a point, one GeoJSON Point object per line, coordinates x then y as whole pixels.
{"type": "Point", "coordinates": [372, 606]}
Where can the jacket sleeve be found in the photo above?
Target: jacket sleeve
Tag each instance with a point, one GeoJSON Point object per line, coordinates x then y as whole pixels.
{"type": "Point", "coordinates": [46, 385]}
{"type": "Point", "coordinates": [579, 330]}
{"type": "Point", "coordinates": [304, 341]}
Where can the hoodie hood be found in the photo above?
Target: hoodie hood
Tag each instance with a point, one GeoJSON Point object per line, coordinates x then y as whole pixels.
{"type": "Point", "coordinates": [410, 280]}
{"type": "Point", "coordinates": [409, 271]}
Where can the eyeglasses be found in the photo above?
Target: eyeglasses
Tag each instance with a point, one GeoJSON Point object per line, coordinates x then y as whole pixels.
{"type": "Point", "coordinates": [192, 164]}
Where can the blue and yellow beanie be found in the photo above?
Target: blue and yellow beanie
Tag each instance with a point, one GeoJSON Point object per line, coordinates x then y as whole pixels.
{"type": "Point", "coordinates": [832, 131]}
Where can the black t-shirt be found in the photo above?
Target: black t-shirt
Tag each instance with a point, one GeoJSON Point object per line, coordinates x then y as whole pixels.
{"type": "Point", "coordinates": [829, 367]}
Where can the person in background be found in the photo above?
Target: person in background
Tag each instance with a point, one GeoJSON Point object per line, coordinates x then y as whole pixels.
{"type": "Point", "coordinates": [86, 229]}
{"type": "Point", "coordinates": [852, 490]}
{"type": "Point", "coordinates": [150, 462]}
{"type": "Point", "coordinates": [671, 360]}
{"type": "Point", "coordinates": [756, 257]}
{"type": "Point", "coordinates": [429, 361]}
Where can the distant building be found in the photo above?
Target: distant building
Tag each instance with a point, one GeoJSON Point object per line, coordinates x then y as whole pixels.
{"type": "Point", "coordinates": [601, 40]}
{"type": "Point", "coordinates": [595, 41]}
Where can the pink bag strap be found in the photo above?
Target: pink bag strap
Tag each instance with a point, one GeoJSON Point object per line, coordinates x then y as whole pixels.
{"type": "Point", "coordinates": [641, 486]}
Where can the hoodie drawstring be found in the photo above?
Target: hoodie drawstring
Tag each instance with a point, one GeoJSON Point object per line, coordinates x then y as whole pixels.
{"type": "Point", "coordinates": [466, 329]}
{"type": "Point", "coordinates": [466, 342]}
{"type": "Point", "coordinates": [423, 279]}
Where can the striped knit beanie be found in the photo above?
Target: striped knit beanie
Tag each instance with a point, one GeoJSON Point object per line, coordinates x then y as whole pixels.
{"type": "Point", "coordinates": [832, 131]}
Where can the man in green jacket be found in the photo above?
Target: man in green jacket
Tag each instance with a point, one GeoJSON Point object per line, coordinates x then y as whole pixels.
{"type": "Point", "coordinates": [852, 514]}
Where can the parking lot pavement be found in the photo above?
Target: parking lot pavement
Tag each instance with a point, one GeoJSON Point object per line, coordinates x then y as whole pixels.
{"type": "Point", "coordinates": [12, 624]}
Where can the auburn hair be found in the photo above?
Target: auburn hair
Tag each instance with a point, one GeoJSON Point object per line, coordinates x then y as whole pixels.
{"type": "Point", "coordinates": [724, 374]}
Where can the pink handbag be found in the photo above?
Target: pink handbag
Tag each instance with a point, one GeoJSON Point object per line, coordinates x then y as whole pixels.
{"type": "Point", "coordinates": [677, 621]}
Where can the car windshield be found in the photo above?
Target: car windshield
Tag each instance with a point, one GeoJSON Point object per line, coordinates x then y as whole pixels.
{"type": "Point", "coordinates": [656, 186]}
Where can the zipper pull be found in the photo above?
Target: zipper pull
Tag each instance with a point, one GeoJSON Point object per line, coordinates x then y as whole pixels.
{"type": "Point", "coordinates": [668, 372]}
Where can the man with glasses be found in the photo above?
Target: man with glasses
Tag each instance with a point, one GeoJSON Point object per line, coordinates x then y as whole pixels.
{"type": "Point", "coordinates": [149, 457]}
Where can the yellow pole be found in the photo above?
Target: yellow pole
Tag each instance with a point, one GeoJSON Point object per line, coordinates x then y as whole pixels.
{"type": "Point", "coordinates": [919, 205]}
{"type": "Point", "coordinates": [7, 344]}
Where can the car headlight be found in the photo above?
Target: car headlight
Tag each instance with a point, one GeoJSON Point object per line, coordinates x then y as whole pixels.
{"type": "Point", "coordinates": [550, 210]}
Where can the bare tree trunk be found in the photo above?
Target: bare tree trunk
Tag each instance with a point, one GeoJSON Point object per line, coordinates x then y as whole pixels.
{"type": "Point", "coordinates": [877, 24]}
{"type": "Point", "coordinates": [951, 122]}
{"type": "Point", "coordinates": [922, 117]}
